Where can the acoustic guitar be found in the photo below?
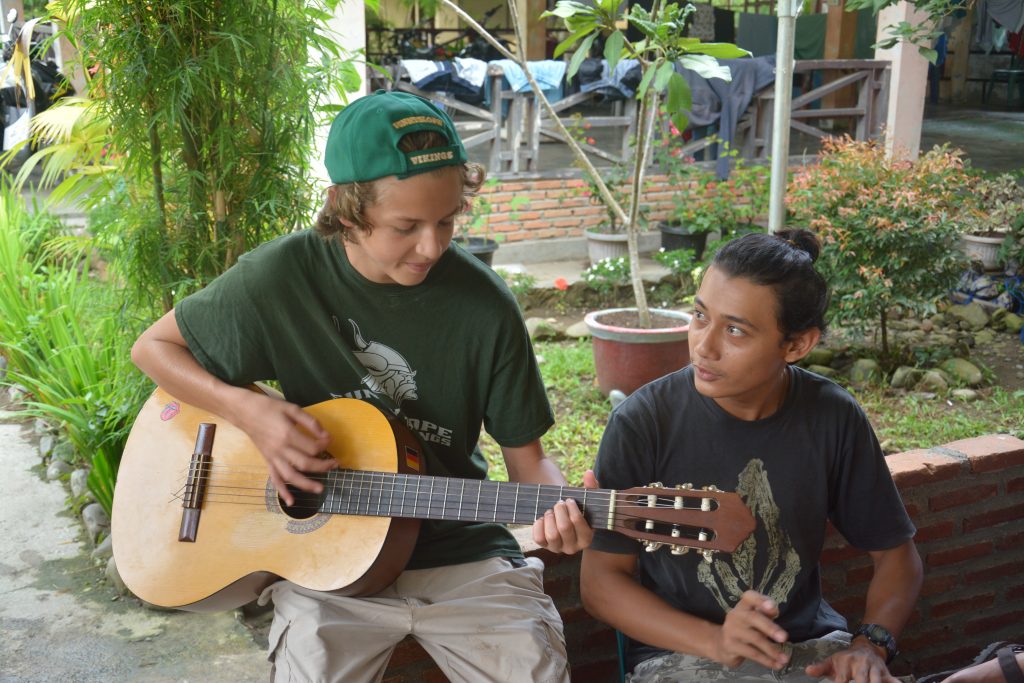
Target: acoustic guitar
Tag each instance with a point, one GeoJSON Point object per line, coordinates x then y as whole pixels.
{"type": "Point", "coordinates": [197, 524]}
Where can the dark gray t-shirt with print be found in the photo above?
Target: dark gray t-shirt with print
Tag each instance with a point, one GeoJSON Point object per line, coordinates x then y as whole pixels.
{"type": "Point", "coordinates": [815, 460]}
{"type": "Point", "coordinates": [452, 353]}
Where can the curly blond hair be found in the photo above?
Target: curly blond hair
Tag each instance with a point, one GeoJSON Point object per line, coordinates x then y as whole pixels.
{"type": "Point", "coordinates": [349, 201]}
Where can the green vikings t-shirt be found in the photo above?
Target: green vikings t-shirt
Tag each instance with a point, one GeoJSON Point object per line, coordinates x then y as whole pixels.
{"type": "Point", "coordinates": [451, 353]}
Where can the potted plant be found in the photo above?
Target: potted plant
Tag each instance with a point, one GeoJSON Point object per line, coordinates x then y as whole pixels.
{"type": "Point", "coordinates": [990, 218]}
{"type": "Point", "coordinates": [609, 239]}
{"type": "Point", "coordinates": [657, 52]}
{"type": "Point", "coordinates": [474, 233]}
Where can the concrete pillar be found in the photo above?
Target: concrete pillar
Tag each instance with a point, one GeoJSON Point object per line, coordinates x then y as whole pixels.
{"type": "Point", "coordinates": [535, 34]}
{"type": "Point", "coordinates": [960, 49]}
{"type": "Point", "coordinates": [908, 84]}
{"type": "Point", "coordinates": [840, 41]}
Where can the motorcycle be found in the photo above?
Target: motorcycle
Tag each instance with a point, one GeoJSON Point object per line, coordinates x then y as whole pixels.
{"type": "Point", "coordinates": [31, 79]}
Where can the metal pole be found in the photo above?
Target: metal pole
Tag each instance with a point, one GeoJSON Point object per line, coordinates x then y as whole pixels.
{"type": "Point", "coordinates": [788, 10]}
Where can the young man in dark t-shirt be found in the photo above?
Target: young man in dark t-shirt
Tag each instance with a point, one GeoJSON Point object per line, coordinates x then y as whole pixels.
{"type": "Point", "coordinates": [377, 304]}
{"type": "Point", "coordinates": [801, 453]}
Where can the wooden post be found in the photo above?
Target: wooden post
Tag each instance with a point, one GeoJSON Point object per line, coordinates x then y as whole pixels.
{"type": "Point", "coordinates": [536, 29]}
{"type": "Point", "coordinates": [840, 42]}
{"type": "Point", "coordinates": [959, 55]}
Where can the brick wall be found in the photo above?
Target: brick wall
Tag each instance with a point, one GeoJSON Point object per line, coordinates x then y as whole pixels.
{"type": "Point", "coordinates": [967, 500]}
{"type": "Point", "coordinates": [560, 207]}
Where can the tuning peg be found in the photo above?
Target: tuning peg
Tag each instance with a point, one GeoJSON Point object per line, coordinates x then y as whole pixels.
{"type": "Point", "coordinates": [680, 549]}
{"type": "Point", "coordinates": [712, 487]}
{"type": "Point", "coordinates": [651, 546]}
{"type": "Point", "coordinates": [656, 485]}
{"type": "Point", "coordinates": [708, 554]}
{"type": "Point", "coordinates": [685, 487]}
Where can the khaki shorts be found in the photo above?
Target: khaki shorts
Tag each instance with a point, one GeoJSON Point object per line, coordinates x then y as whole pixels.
{"type": "Point", "coordinates": [480, 621]}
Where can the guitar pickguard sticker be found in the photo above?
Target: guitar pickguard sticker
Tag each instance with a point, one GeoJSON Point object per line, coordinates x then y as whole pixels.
{"type": "Point", "coordinates": [170, 411]}
{"type": "Point", "coordinates": [293, 526]}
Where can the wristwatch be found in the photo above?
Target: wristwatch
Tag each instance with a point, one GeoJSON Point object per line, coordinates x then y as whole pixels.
{"type": "Point", "coordinates": [880, 636]}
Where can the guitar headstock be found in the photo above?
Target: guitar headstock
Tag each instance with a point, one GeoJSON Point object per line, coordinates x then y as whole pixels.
{"type": "Point", "coordinates": [683, 518]}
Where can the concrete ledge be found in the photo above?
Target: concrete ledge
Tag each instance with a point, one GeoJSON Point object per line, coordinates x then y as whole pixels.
{"type": "Point", "coordinates": [559, 249]}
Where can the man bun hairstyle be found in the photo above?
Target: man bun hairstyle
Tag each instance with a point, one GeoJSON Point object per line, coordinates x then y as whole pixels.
{"type": "Point", "coordinates": [783, 261]}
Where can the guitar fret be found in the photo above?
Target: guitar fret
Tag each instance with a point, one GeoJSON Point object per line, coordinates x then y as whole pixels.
{"type": "Point", "coordinates": [430, 498]}
{"type": "Point", "coordinates": [479, 490]}
{"type": "Point", "coordinates": [462, 496]}
{"type": "Point", "coordinates": [496, 491]}
{"type": "Point", "coordinates": [391, 498]}
{"type": "Point", "coordinates": [444, 502]}
{"type": "Point", "coordinates": [515, 504]}
{"type": "Point", "coordinates": [380, 494]}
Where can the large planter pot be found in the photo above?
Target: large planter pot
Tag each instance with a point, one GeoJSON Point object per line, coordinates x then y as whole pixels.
{"type": "Point", "coordinates": [481, 247]}
{"type": "Point", "coordinates": [626, 358]}
{"type": "Point", "coordinates": [676, 236]}
{"type": "Point", "coordinates": [982, 248]}
{"type": "Point", "coordinates": [602, 245]}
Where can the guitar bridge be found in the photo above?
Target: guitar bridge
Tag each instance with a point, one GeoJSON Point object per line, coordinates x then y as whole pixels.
{"type": "Point", "coordinates": [195, 484]}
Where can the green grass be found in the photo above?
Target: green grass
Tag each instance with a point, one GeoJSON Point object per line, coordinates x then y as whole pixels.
{"type": "Point", "coordinates": [902, 421]}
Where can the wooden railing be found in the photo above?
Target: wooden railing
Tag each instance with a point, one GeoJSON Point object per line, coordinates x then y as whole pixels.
{"type": "Point", "coordinates": [513, 125]}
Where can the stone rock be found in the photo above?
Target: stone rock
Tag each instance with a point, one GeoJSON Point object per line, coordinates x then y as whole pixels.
{"type": "Point", "coordinates": [984, 337]}
{"type": "Point", "coordinates": [865, 371]}
{"type": "Point", "coordinates": [64, 451]}
{"type": "Point", "coordinates": [965, 395]}
{"type": "Point", "coordinates": [40, 427]}
{"type": "Point", "coordinates": [79, 479]}
{"type": "Point", "coordinates": [541, 328]}
{"type": "Point", "coordinates": [46, 444]}
{"type": "Point", "coordinates": [57, 469]}
{"type": "Point", "coordinates": [819, 356]}
{"type": "Point", "coordinates": [937, 320]}
{"type": "Point", "coordinates": [104, 550]}
{"type": "Point", "coordinates": [3, 367]}
{"type": "Point", "coordinates": [96, 520]}
{"type": "Point", "coordinates": [1012, 322]}
{"type": "Point", "coordinates": [114, 577]}
{"type": "Point", "coordinates": [962, 371]}
{"type": "Point", "coordinates": [924, 395]}
{"type": "Point", "coordinates": [16, 393]}
{"type": "Point", "coordinates": [823, 370]}
{"type": "Point", "coordinates": [577, 330]}
{"type": "Point", "coordinates": [900, 325]}
{"type": "Point", "coordinates": [933, 382]}
{"type": "Point", "coordinates": [997, 317]}
{"type": "Point", "coordinates": [972, 314]}
{"type": "Point", "coordinates": [913, 337]}
{"type": "Point", "coordinates": [927, 326]}
{"type": "Point", "coordinates": [905, 377]}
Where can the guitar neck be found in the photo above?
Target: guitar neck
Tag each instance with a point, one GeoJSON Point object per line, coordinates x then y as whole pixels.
{"type": "Point", "coordinates": [384, 494]}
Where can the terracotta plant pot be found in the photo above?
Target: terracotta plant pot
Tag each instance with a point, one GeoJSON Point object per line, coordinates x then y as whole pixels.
{"type": "Point", "coordinates": [626, 358]}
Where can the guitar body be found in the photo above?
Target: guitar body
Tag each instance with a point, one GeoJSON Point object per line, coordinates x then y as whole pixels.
{"type": "Point", "coordinates": [243, 539]}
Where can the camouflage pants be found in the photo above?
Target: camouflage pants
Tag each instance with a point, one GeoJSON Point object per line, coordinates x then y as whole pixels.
{"type": "Point", "coordinates": [673, 668]}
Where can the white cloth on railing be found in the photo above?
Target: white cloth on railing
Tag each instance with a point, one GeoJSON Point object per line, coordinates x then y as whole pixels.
{"type": "Point", "coordinates": [423, 71]}
{"type": "Point", "coordinates": [470, 71]}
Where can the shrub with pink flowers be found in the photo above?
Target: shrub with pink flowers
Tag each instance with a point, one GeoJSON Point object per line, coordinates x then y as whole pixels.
{"type": "Point", "coordinates": [888, 227]}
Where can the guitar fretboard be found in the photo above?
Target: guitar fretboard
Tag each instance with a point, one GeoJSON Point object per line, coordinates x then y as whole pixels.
{"type": "Point", "coordinates": [384, 494]}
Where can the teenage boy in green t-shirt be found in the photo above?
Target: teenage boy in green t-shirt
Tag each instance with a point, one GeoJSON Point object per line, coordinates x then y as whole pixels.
{"type": "Point", "coordinates": [377, 304]}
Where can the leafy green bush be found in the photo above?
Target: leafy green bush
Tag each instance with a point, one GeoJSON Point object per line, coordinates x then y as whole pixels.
{"type": "Point", "coordinates": [888, 228]}
{"type": "Point", "coordinates": [67, 341]}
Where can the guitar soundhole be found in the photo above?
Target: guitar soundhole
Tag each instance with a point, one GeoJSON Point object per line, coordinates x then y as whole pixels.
{"type": "Point", "coordinates": [307, 504]}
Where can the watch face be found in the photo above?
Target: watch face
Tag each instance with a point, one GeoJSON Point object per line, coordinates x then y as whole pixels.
{"type": "Point", "coordinates": [876, 632]}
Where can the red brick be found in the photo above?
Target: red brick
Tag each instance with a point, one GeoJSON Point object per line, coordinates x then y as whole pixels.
{"type": "Point", "coordinates": [606, 671]}
{"type": "Point", "coordinates": [850, 607]}
{"type": "Point", "coordinates": [962, 496]}
{"type": "Point", "coordinates": [962, 605]}
{"type": "Point", "coordinates": [997, 572]}
{"type": "Point", "coordinates": [1015, 593]}
{"type": "Point", "coordinates": [1015, 485]}
{"type": "Point", "coordinates": [994, 622]}
{"type": "Point", "coordinates": [407, 652]}
{"type": "Point", "coordinates": [934, 532]}
{"type": "Point", "coordinates": [916, 468]}
{"type": "Point", "coordinates": [558, 587]}
{"type": "Point", "coordinates": [934, 585]}
{"type": "Point", "coordinates": [948, 659]}
{"type": "Point", "coordinates": [912, 510]}
{"type": "Point", "coordinates": [1011, 541]}
{"type": "Point", "coordinates": [916, 641]}
{"type": "Point", "coordinates": [836, 555]}
{"type": "Point", "coordinates": [991, 452]}
{"type": "Point", "coordinates": [993, 517]}
{"type": "Point", "coordinates": [940, 558]}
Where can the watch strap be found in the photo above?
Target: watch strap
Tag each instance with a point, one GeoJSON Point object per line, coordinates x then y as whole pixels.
{"type": "Point", "coordinates": [880, 636]}
{"type": "Point", "coordinates": [1008, 664]}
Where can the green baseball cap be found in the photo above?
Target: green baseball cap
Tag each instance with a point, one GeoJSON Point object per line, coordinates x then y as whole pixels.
{"type": "Point", "coordinates": [363, 142]}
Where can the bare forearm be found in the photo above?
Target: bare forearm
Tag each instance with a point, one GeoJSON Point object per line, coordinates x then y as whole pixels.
{"type": "Point", "coordinates": [618, 600]}
{"type": "Point", "coordinates": [894, 587]}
